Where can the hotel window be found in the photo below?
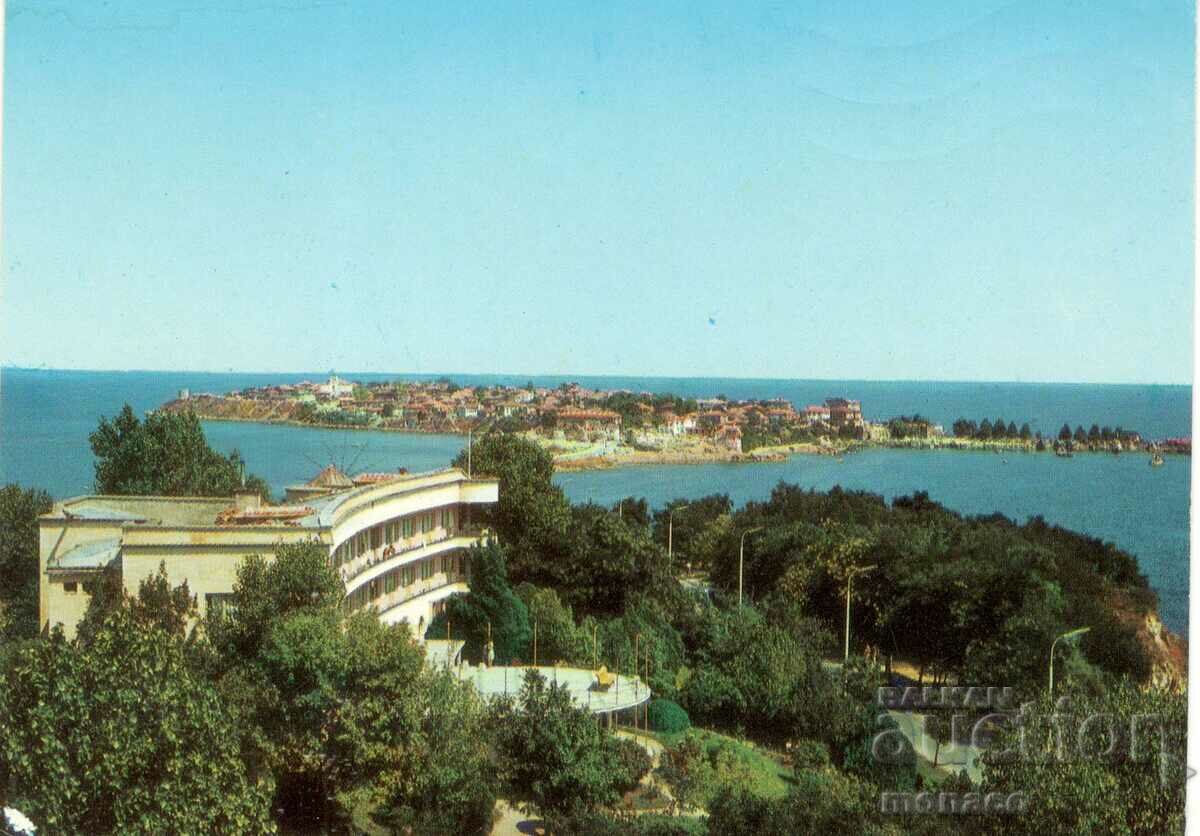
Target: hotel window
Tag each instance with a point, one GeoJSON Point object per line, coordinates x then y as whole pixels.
{"type": "Point", "coordinates": [219, 602]}
{"type": "Point", "coordinates": [426, 569]}
{"type": "Point", "coordinates": [410, 575]}
{"type": "Point", "coordinates": [376, 537]}
{"type": "Point", "coordinates": [389, 582]}
{"type": "Point", "coordinates": [70, 587]}
{"type": "Point", "coordinates": [447, 519]}
{"type": "Point", "coordinates": [406, 526]}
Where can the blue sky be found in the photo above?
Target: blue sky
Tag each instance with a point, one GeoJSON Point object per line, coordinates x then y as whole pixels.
{"type": "Point", "coordinates": [960, 191]}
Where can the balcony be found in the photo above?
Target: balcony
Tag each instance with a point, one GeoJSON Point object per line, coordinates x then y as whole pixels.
{"type": "Point", "coordinates": [375, 557]}
{"type": "Point", "coordinates": [404, 594]}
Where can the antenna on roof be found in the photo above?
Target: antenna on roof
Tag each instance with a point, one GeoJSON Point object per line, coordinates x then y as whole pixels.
{"type": "Point", "coordinates": [362, 448]}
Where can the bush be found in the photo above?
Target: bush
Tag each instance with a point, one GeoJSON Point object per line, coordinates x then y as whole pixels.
{"type": "Point", "coordinates": [810, 754]}
{"type": "Point", "coordinates": [669, 717]}
{"type": "Point", "coordinates": [632, 762]}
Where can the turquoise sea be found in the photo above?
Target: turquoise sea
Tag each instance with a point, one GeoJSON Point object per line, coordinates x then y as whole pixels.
{"type": "Point", "coordinates": [45, 418]}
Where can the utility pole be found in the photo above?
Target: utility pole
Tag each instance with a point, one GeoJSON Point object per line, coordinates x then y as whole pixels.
{"type": "Point", "coordinates": [741, 556]}
{"type": "Point", "coordinates": [670, 533]}
{"type": "Point", "coordinates": [1068, 636]}
{"type": "Point", "coordinates": [849, 577]}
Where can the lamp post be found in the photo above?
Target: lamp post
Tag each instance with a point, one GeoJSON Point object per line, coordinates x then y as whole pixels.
{"type": "Point", "coordinates": [671, 532]}
{"type": "Point", "coordinates": [1068, 635]}
{"type": "Point", "coordinates": [741, 556]}
{"type": "Point", "coordinates": [850, 577]}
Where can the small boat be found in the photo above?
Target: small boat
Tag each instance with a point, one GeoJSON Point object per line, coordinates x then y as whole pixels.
{"type": "Point", "coordinates": [1063, 452]}
{"type": "Point", "coordinates": [1157, 460]}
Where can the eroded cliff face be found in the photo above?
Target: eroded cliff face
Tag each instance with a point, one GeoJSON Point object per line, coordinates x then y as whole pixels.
{"type": "Point", "coordinates": [1168, 653]}
{"type": "Point", "coordinates": [234, 409]}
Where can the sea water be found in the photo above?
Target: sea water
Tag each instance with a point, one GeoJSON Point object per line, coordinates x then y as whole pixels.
{"type": "Point", "coordinates": [46, 416]}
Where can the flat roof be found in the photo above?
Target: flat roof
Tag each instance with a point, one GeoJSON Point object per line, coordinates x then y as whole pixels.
{"type": "Point", "coordinates": [146, 510]}
{"type": "Point", "coordinates": [204, 511]}
{"type": "Point", "coordinates": [95, 555]}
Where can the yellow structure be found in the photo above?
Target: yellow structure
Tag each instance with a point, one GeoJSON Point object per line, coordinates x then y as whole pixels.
{"type": "Point", "coordinates": [398, 541]}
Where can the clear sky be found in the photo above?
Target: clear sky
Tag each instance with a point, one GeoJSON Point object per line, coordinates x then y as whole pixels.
{"type": "Point", "coordinates": [958, 190]}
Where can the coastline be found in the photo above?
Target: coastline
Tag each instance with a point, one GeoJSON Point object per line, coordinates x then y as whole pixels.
{"type": "Point", "coordinates": [698, 452]}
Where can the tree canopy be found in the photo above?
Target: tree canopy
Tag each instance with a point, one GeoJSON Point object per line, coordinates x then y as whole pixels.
{"type": "Point", "coordinates": [121, 735]}
{"type": "Point", "coordinates": [165, 455]}
{"type": "Point", "coordinates": [19, 512]}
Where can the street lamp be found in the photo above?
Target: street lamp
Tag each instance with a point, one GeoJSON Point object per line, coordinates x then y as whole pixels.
{"type": "Point", "coordinates": [741, 555]}
{"type": "Point", "coordinates": [850, 577]}
{"type": "Point", "coordinates": [1068, 635]}
{"type": "Point", "coordinates": [670, 533]}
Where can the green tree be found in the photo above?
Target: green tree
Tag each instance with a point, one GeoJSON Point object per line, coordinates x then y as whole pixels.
{"type": "Point", "coordinates": [633, 509]}
{"type": "Point", "coordinates": [553, 754]}
{"type": "Point", "coordinates": [297, 577]}
{"type": "Point", "coordinates": [688, 521]}
{"type": "Point", "coordinates": [1026, 434]}
{"type": "Point", "coordinates": [1106, 763]}
{"type": "Point", "coordinates": [821, 801]}
{"type": "Point", "coordinates": [157, 605]}
{"type": "Point", "coordinates": [19, 512]}
{"type": "Point", "coordinates": [121, 736]}
{"type": "Point", "coordinates": [558, 635]}
{"type": "Point", "coordinates": [441, 778]}
{"type": "Point", "coordinates": [342, 711]}
{"type": "Point", "coordinates": [1065, 433]}
{"type": "Point", "coordinates": [165, 455]}
{"type": "Point", "coordinates": [608, 559]}
{"type": "Point", "coordinates": [532, 515]}
{"type": "Point", "coordinates": [491, 600]}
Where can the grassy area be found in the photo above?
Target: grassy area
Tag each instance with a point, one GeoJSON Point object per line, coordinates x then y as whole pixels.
{"type": "Point", "coordinates": [770, 776]}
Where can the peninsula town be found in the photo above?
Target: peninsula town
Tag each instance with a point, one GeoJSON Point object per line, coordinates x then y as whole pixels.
{"type": "Point", "coordinates": [587, 428]}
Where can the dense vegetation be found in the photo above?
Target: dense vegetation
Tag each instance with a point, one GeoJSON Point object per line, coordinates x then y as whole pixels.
{"type": "Point", "coordinates": [997, 430]}
{"type": "Point", "coordinates": [19, 510]}
{"type": "Point", "coordinates": [164, 455]}
{"type": "Point", "coordinates": [281, 711]}
{"type": "Point", "coordinates": [909, 426]}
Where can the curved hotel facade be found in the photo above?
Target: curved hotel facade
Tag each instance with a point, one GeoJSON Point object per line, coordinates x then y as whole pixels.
{"type": "Point", "coordinates": [399, 541]}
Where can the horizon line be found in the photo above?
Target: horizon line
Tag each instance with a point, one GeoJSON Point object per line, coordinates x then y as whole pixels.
{"type": "Point", "coordinates": [46, 368]}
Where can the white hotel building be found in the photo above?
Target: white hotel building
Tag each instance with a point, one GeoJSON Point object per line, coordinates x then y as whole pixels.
{"type": "Point", "coordinates": [399, 541]}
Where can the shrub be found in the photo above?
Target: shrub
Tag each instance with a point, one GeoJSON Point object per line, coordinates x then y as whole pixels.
{"type": "Point", "coordinates": [632, 762]}
{"type": "Point", "coordinates": [810, 754]}
{"type": "Point", "coordinates": [669, 717]}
